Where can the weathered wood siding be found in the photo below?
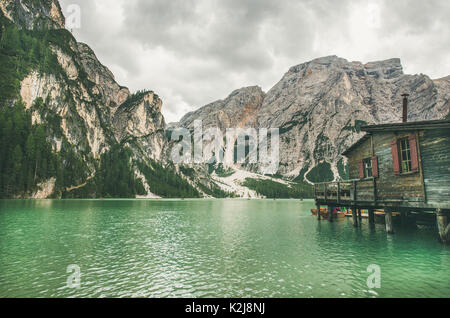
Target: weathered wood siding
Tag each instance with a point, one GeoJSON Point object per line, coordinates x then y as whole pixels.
{"type": "Point", "coordinates": [389, 187]}
{"type": "Point", "coordinates": [364, 190]}
{"type": "Point", "coordinates": [364, 150]}
{"type": "Point", "coordinates": [435, 153]}
{"type": "Point", "coordinates": [405, 187]}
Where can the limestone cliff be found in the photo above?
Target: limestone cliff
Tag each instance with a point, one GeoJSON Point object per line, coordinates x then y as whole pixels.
{"type": "Point", "coordinates": [31, 14]}
{"type": "Point", "coordinates": [319, 107]}
{"type": "Point", "coordinates": [86, 111]}
{"type": "Point", "coordinates": [238, 110]}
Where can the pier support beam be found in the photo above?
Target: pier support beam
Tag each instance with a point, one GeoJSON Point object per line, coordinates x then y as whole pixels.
{"type": "Point", "coordinates": [354, 217]}
{"type": "Point", "coordinates": [318, 212]}
{"type": "Point", "coordinates": [443, 226]}
{"type": "Point", "coordinates": [371, 216]}
{"type": "Point", "coordinates": [388, 219]}
{"type": "Point", "coordinates": [330, 213]}
{"type": "Point", "coordinates": [404, 218]}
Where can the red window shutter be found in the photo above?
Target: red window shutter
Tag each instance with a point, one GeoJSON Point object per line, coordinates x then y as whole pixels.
{"type": "Point", "coordinates": [375, 166]}
{"type": "Point", "coordinates": [361, 170]}
{"type": "Point", "coordinates": [414, 154]}
{"type": "Point", "coordinates": [395, 161]}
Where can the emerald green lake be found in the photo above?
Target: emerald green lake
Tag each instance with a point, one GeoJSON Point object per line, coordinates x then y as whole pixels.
{"type": "Point", "coordinates": [209, 248]}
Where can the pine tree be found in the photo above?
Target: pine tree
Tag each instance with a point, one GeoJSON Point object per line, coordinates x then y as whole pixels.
{"type": "Point", "coordinates": [17, 176]}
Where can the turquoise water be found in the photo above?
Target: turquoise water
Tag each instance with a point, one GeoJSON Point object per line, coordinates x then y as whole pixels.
{"type": "Point", "coordinates": [208, 248]}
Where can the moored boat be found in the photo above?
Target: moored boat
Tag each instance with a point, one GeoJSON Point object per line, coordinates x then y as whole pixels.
{"type": "Point", "coordinates": [324, 213]}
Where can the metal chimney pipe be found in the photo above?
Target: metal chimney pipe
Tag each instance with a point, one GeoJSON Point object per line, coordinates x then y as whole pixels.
{"type": "Point", "coordinates": [405, 107]}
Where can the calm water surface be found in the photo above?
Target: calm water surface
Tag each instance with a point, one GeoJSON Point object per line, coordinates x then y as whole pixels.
{"type": "Point", "coordinates": [208, 248]}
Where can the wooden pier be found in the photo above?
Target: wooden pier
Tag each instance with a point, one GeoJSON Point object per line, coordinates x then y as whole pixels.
{"type": "Point", "coordinates": [358, 195]}
{"type": "Point", "coordinates": [400, 168]}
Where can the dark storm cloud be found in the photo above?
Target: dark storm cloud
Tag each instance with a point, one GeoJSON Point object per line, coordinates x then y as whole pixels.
{"type": "Point", "coordinates": [195, 51]}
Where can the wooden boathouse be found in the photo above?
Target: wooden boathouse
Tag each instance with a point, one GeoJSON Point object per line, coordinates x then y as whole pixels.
{"type": "Point", "coordinates": [398, 167]}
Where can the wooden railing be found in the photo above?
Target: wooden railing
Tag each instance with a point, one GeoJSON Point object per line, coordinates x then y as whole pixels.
{"type": "Point", "coordinates": [363, 190]}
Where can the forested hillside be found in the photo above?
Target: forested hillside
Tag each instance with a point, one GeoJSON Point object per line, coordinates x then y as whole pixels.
{"type": "Point", "coordinates": [37, 152]}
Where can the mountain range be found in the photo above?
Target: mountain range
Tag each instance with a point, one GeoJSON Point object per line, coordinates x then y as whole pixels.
{"type": "Point", "coordinates": [70, 130]}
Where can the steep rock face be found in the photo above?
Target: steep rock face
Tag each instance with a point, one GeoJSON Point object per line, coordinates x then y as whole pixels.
{"type": "Point", "coordinates": [30, 14]}
{"type": "Point", "coordinates": [106, 87]}
{"type": "Point", "coordinates": [83, 120]}
{"type": "Point", "coordinates": [85, 109]}
{"type": "Point", "coordinates": [140, 124]}
{"type": "Point", "coordinates": [238, 110]}
{"type": "Point", "coordinates": [319, 107]}
{"type": "Point", "coordinates": [443, 89]}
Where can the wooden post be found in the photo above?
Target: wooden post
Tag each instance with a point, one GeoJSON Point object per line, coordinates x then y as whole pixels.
{"type": "Point", "coordinates": [371, 216]}
{"type": "Point", "coordinates": [374, 190]}
{"type": "Point", "coordinates": [330, 213]}
{"type": "Point", "coordinates": [318, 212]}
{"type": "Point", "coordinates": [338, 192]}
{"type": "Point", "coordinates": [443, 226]}
{"type": "Point", "coordinates": [354, 216]}
{"type": "Point", "coordinates": [403, 218]}
{"type": "Point", "coordinates": [419, 155]}
{"type": "Point", "coordinates": [388, 219]}
{"type": "Point", "coordinates": [354, 191]}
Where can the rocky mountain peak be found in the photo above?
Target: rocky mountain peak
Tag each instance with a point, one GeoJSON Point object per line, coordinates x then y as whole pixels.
{"type": "Point", "coordinates": [245, 91]}
{"type": "Point", "coordinates": [443, 79]}
{"type": "Point", "coordinates": [387, 69]}
{"type": "Point", "coordinates": [139, 116]}
{"type": "Point", "coordinates": [319, 107]}
{"type": "Point", "coordinates": [30, 14]}
{"type": "Point", "coordinates": [239, 109]}
{"type": "Point", "coordinates": [84, 113]}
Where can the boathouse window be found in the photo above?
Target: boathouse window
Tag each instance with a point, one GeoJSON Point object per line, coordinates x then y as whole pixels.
{"type": "Point", "coordinates": [367, 164]}
{"type": "Point", "coordinates": [368, 168]}
{"type": "Point", "coordinates": [404, 154]}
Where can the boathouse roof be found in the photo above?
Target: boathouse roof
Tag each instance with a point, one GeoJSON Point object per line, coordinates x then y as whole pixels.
{"type": "Point", "coordinates": [412, 125]}
{"type": "Point", "coordinates": [426, 124]}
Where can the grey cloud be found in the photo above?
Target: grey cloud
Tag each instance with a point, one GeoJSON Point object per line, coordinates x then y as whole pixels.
{"type": "Point", "coordinates": [193, 52]}
{"type": "Point", "coordinates": [237, 33]}
{"type": "Point", "coordinates": [414, 16]}
{"type": "Point", "coordinates": [97, 33]}
{"type": "Point", "coordinates": [212, 30]}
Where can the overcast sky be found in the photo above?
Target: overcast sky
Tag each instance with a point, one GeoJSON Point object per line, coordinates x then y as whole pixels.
{"type": "Point", "coordinates": [193, 52]}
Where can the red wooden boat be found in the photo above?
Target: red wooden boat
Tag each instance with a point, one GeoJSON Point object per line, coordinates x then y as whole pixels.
{"type": "Point", "coordinates": [324, 213]}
